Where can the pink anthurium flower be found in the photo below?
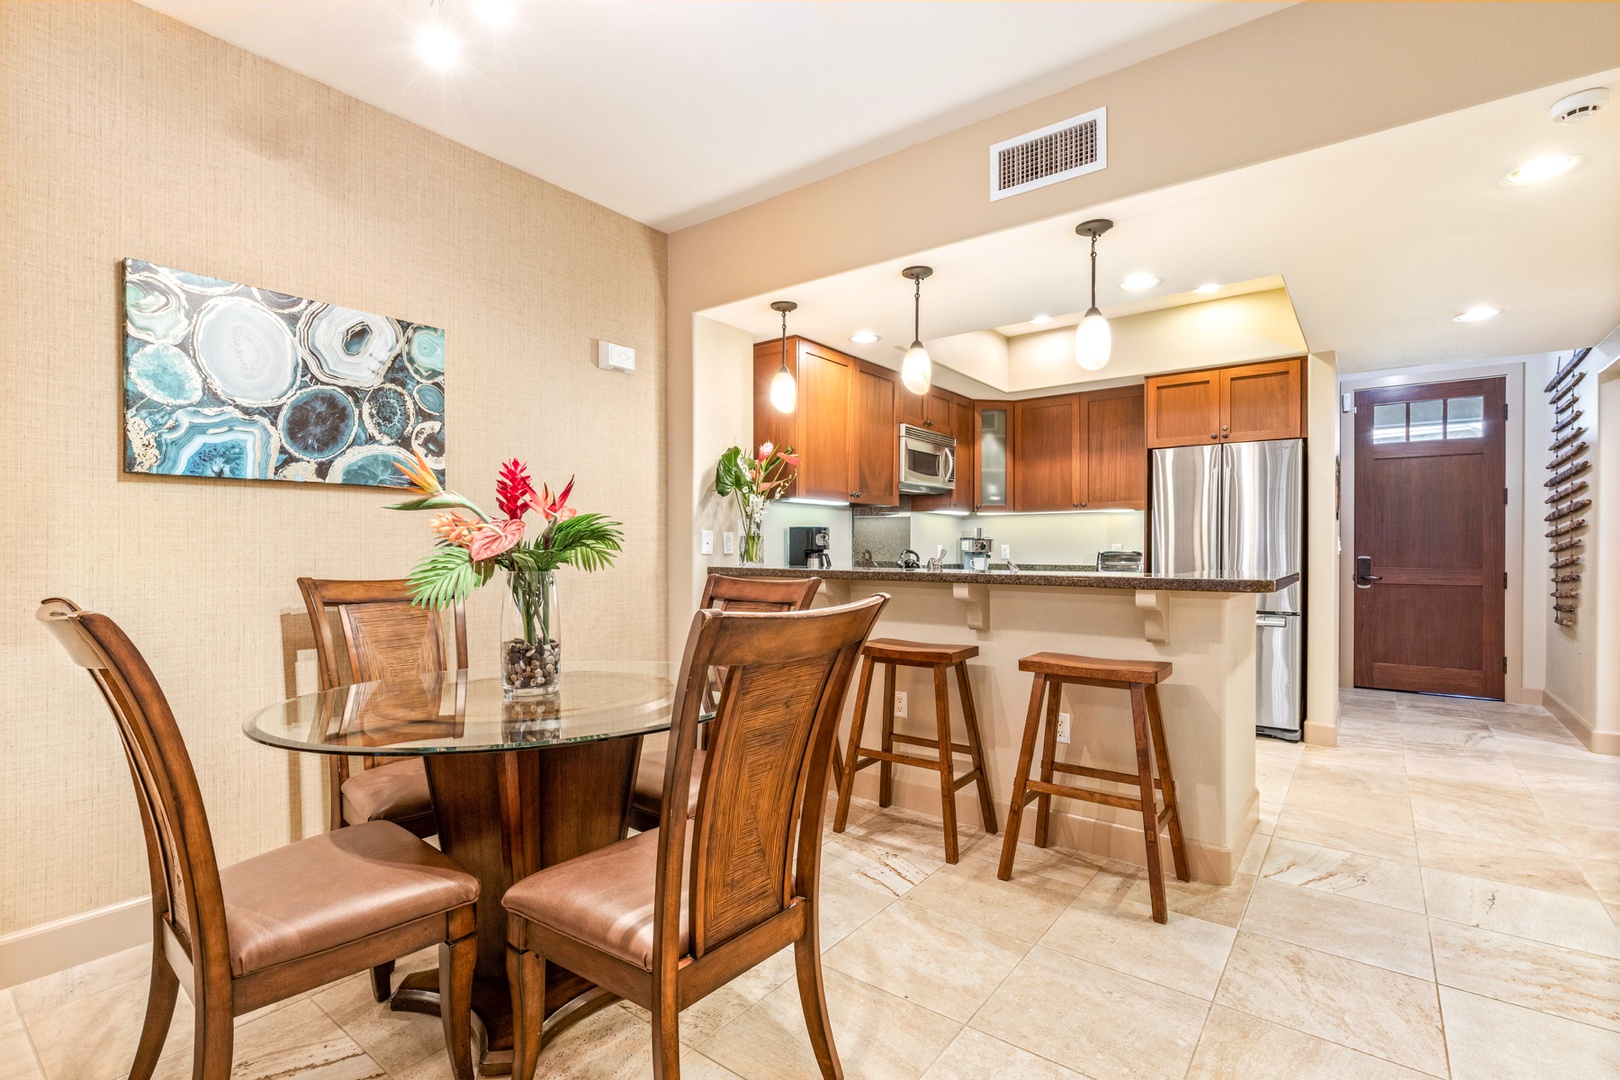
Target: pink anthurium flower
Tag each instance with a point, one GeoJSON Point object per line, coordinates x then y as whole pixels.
{"type": "Point", "coordinates": [495, 538]}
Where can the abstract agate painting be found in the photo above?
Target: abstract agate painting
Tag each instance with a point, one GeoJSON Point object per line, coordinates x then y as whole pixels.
{"type": "Point", "coordinates": [226, 380]}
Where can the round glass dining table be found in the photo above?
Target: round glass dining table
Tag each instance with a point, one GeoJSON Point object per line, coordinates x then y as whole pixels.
{"type": "Point", "coordinates": [517, 786]}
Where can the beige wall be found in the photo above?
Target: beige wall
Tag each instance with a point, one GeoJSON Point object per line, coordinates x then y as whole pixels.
{"type": "Point", "coordinates": [1308, 76]}
{"type": "Point", "coordinates": [126, 134]}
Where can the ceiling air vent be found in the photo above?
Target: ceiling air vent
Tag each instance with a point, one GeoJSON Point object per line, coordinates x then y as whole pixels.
{"type": "Point", "coordinates": [1068, 148]}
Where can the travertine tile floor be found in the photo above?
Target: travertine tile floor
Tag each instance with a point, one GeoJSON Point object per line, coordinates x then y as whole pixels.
{"type": "Point", "coordinates": [1437, 896]}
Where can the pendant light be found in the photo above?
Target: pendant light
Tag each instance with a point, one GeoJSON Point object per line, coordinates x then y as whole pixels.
{"type": "Point", "coordinates": [916, 369]}
{"type": "Point", "coordinates": [784, 391]}
{"type": "Point", "coordinates": [1093, 341]}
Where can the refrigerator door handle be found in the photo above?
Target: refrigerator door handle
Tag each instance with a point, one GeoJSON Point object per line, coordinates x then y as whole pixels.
{"type": "Point", "coordinates": [1274, 621]}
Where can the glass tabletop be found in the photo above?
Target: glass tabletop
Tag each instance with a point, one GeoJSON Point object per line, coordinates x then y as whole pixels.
{"type": "Point", "coordinates": [448, 712]}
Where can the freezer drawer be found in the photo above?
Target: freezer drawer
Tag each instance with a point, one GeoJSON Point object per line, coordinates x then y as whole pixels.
{"type": "Point", "coordinates": [1278, 655]}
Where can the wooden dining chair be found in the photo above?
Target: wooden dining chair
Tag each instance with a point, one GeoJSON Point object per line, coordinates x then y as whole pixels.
{"type": "Point", "coordinates": [384, 636]}
{"type": "Point", "coordinates": [244, 936]}
{"type": "Point", "coordinates": [668, 916]}
{"type": "Point", "coordinates": [720, 593]}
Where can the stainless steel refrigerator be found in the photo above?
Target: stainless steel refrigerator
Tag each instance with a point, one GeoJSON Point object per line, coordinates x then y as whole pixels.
{"type": "Point", "coordinates": [1237, 510]}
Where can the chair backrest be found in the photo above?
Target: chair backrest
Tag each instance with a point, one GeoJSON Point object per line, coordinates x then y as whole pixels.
{"type": "Point", "coordinates": [384, 634]}
{"type": "Point", "coordinates": [180, 850]}
{"type": "Point", "coordinates": [759, 594]}
{"type": "Point", "coordinates": [765, 775]}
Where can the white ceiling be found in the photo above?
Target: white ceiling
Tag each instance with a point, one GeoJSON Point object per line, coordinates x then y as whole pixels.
{"type": "Point", "coordinates": [675, 112]}
{"type": "Point", "coordinates": [1380, 241]}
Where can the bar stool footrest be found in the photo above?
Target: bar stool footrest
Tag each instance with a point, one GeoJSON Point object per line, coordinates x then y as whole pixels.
{"type": "Point", "coordinates": [1101, 774]}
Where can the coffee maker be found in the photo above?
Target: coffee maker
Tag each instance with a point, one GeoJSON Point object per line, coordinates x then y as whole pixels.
{"type": "Point", "coordinates": [807, 546]}
{"type": "Point", "coordinates": [976, 552]}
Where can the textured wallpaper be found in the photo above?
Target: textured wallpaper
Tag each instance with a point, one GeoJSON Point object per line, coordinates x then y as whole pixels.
{"type": "Point", "coordinates": [126, 134]}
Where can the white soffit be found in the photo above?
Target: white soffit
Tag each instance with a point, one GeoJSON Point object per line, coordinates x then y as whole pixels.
{"type": "Point", "coordinates": [1380, 241]}
{"type": "Point", "coordinates": [676, 111]}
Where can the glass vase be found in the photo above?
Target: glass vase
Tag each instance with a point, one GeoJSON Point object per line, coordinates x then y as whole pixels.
{"type": "Point", "coordinates": [752, 550]}
{"type": "Point", "coordinates": [531, 638]}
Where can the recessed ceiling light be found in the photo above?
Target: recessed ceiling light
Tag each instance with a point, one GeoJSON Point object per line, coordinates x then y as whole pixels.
{"type": "Point", "coordinates": [1040, 320]}
{"type": "Point", "coordinates": [1543, 168]}
{"type": "Point", "coordinates": [438, 46]}
{"type": "Point", "coordinates": [864, 337]}
{"type": "Point", "coordinates": [1477, 313]}
{"type": "Point", "coordinates": [494, 13]}
{"type": "Point", "coordinates": [1140, 281]}
{"type": "Point", "coordinates": [1207, 287]}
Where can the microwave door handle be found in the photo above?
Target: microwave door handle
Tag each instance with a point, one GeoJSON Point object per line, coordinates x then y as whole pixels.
{"type": "Point", "coordinates": [949, 453]}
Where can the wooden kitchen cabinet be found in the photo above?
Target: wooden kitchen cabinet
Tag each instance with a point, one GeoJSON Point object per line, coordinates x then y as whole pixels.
{"type": "Point", "coordinates": [1242, 403]}
{"type": "Point", "coordinates": [843, 426]}
{"type": "Point", "coordinates": [1080, 451]}
{"type": "Point", "coordinates": [1045, 461]}
{"type": "Point", "coordinates": [874, 437]}
{"type": "Point", "coordinates": [1114, 435]}
{"type": "Point", "coordinates": [935, 410]}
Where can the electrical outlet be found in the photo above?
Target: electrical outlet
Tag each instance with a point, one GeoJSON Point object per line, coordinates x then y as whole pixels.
{"type": "Point", "coordinates": [708, 542]}
{"type": "Point", "coordinates": [1063, 727]}
{"type": "Point", "coordinates": [900, 704]}
{"type": "Point", "coordinates": [729, 540]}
{"type": "Point", "coordinates": [1006, 552]}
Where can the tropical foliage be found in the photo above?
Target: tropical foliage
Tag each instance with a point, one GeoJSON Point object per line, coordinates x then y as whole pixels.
{"type": "Point", "coordinates": [471, 545]}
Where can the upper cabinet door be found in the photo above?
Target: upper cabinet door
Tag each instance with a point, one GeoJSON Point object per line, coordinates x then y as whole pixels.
{"type": "Point", "coordinates": [1262, 401]}
{"type": "Point", "coordinates": [941, 416]}
{"type": "Point", "coordinates": [874, 450]}
{"type": "Point", "coordinates": [826, 385]}
{"type": "Point", "coordinates": [992, 476]}
{"type": "Point", "coordinates": [1114, 476]}
{"type": "Point", "coordinates": [1184, 409]}
{"type": "Point", "coordinates": [1046, 453]}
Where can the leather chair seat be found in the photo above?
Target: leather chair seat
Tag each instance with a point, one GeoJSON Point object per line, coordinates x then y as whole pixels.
{"type": "Point", "coordinates": [603, 899]}
{"type": "Point", "coordinates": [397, 791]}
{"type": "Point", "coordinates": [333, 889]}
{"type": "Point", "coordinates": [649, 796]}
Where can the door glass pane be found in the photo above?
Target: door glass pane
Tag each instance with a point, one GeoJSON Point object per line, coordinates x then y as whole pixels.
{"type": "Point", "coordinates": [1389, 423]}
{"type": "Point", "coordinates": [993, 458]}
{"type": "Point", "coordinates": [1426, 420]}
{"type": "Point", "coordinates": [1465, 417]}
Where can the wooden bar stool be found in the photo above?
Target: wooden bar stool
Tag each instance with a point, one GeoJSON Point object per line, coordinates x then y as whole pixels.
{"type": "Point", "coordinates": [1052, 672]}
{"type": "Point", "coordinates": [892, 654]}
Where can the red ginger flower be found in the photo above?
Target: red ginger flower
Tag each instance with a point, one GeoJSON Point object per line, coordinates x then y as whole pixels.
{"type": "Point", "coordinates": [514, 491]}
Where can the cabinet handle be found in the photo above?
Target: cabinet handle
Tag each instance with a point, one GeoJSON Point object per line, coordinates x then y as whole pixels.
{"type": "Point", "coordinates": [1215, 436]}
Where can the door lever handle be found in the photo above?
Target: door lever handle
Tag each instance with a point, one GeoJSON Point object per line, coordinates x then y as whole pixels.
{"type": "Point", "coordinates": [1364, 575]}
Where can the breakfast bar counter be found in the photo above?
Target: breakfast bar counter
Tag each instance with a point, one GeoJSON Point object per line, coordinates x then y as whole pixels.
{"type": "Point", "coordinates": [1205, 627]}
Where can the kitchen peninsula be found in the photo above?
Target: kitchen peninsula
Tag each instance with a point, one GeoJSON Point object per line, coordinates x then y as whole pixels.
{"type": "Point", "coordinates": [1204, 626]}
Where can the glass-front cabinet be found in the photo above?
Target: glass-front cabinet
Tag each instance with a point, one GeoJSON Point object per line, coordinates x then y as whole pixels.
{"type": "Point", "coordinates": [994, 444]}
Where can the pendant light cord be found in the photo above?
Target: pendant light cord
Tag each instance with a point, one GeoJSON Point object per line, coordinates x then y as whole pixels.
{"type": "Point", "coordinates": [784, 341]}
{"type": "Point", "coordinates": [916, 312]}
{"type": "Point", "coordinates": [1093, 274]}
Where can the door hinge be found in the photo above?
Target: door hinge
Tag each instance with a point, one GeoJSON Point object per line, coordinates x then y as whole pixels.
{"type": "Point", "coordinates": [1504, 579]}
{"type": "Point", "coordinates": [1504, 665]}
{"type": "Point", "coordinates": [1504, 496]}
{"type": "Point", "coordinates": [1504, 410]}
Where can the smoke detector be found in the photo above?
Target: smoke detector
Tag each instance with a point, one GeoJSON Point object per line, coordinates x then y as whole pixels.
{"type": "Point", "coordinates": [1578, 106]}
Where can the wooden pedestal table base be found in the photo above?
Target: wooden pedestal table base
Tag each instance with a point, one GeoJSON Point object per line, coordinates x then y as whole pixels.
{"type": "Point", "coordinates": [504, 816]}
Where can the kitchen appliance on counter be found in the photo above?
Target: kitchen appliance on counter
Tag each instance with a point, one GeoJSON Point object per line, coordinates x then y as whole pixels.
{"type": "Point", "coordinates": [910, 560]}
{"type": "Point", "coordinates": [1237, 510]}
{"type": "Point", "coordinates": [807, 546]}
{"type": "Point", "coordinates": [927, 461]}
{"type": "Point", "coordinates": [1120, 562]}
{"type": "Point", "coordinates": [976, 552]}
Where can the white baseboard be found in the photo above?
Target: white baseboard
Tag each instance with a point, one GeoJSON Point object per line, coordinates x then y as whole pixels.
{"type": "Point", "coordinates": [55, 946]}
{"type": "Point", "coordinates": [1599, 742]}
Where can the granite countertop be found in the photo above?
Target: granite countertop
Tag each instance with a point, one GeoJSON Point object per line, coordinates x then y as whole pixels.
{"type": "Point", "coordinates": [1074, 579]}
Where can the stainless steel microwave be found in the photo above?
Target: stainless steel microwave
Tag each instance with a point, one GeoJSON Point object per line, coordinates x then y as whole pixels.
{"type": "Point", "coordinates": [927, 461]}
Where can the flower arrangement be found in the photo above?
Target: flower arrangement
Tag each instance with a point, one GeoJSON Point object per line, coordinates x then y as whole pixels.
{"type": "Point", "coordinates": [755, 480]}
{"type": "Point", "coordinates": [470, 549]}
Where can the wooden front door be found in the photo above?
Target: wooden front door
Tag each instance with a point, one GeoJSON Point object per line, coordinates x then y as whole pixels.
{"type": "Point", "coordinates": [1430, 523]}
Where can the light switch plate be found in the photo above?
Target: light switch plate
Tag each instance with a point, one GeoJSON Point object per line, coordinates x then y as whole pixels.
{"type": "Point", "coordinates": [611, 357]}
{"type": "Point", "coordinates": [729, 540]}
{"type": "Point", "coordinates": [708, 542]}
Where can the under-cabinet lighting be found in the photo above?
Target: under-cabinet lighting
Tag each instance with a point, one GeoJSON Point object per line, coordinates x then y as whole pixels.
{"type": "Point", "coordinates": [815, 502]}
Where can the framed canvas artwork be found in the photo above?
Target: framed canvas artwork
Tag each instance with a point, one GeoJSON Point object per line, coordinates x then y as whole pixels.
{"type": "Point", "coordinates": [227, 380]}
